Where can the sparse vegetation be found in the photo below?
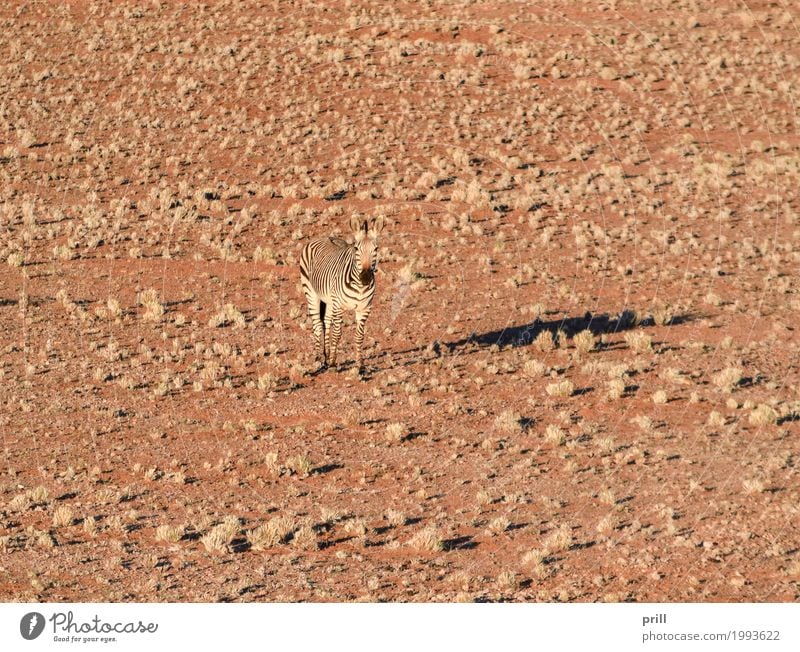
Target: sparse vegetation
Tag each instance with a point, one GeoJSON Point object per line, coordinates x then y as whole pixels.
{"type": "Point", "coordinates": [153, 308]}
{"type": "Point", "coordinates": [763, 415]}
{"type": "Point", "coordinates": [555, 435]}
{"type": "Point", "coordinates": [229, 315]}
{"type": "Point", "coordinates": [562, 388]}
{"type": "Point", "coordinates": [583, 337]}
{"type": "Point", "coordinates": [728, 378]}
{"type": "Point", "coordinates": [659, 397]}
{"type": "Point", "coordinates": [639, 341]}
{"type": "Point", "coordinates": [584, 341]}
{"type": "Point", "coordinates": [217, 540]}
{"type": "Point", "coordinates": [62, 516]}
{"type": "Point", "coordinates": [395, 432]}
{"type": "Point", "coordinates": [616, 388]}
{"type": "Point", "coordinates": [508, 422]}
{"type": "Point", "coordinates": [276, 531]}
{"type": "Point", "coordinates": [299, 464]}
{"type": "Point", "coordinates": [427, 539]}
{"type": "Point", "coordinates": [544, 341]}
{"type": "Point", "coordinates": [169, 533]}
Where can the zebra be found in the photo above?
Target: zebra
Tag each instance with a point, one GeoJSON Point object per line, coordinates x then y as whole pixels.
{"type": "Point", "coordinates": [338, 276]}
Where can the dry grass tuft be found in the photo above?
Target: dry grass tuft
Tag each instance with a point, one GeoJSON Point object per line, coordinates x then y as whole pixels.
{"type": "Point", "coordinates": [534, 368]}
{"type": "Point", "coordinates": [507, 581]}
{"type": "Point", "coordinates": [663, 315]}
{"type": "Point", "coordinates": [763, 415]}
{"type": "Point", "coordinates": [90, 526]}
{"type": "Point", "coordinates": [605, 525]}
{"type": "Point", "coordinates": [15, 259]}
{"type": "Point", "coordinates": [218, 539]}
{"type": "Point", "coordinates": [544, 342]}
{"type": "Point", "coordinates": [271, 462]}
{"type": "Point", "coordinates": [728, 378]}
{"type": "Point", "coordinates": [227, 316]}
{"type": "Point", "coordinates": [639, 341]}
{"type": "Point", "coordinates": [38, 495]}
{"type": "Point", "coordinates": [427, 539]}
{"type": "Point", "coordinates": [113, 309]}
{"type": "Point", "coordinates": [276, 531]}
{"type": "Point", "coordinates": [357, 527]}
{"type": "Point", "coordinates": [300, 464]}
{"type": "Point", "coordinates": [555, 435]}
{"type": "Point", "coordinates": [266, 382]}
{"type": "Point", "coordinates": [483, 497]}
{"type": "Point", "coordinates": [305, 538]}
{"type": "Point", "coordinates": [607, 496]}
{"type": "Point", "coordinates": [169, 533]}
{"type": "Point", "coordinates": [62, 516]}
{"type": "Point", "coordinates": [508, 422]}
{"type": "Point", "coordinates": [535, 561]}
{"type": "Point", "coordinates": [559, 539]}
{"type": "Point", "coordinates": [753, 486]}
{"type": "Point", "coordinates": [615, 388]}
{"type": "Point", "coordinates": [584, 341]}
{"type": "Point", "coordinates": [498, 525]}
{"type": "Point", "coordinates": [44, 539]}
{"type": "Point", "coordinates": [153, 308]}
{"type": "Point", "coordinates": [395, 432]}
{"type": "Point", "coordinates": [395, 518]}
{"type": "Point", "coordinates": [561, 389]}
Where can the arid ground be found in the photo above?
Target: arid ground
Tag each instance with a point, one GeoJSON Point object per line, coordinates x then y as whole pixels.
{"type": "Point", "coordinates": [583, 373]}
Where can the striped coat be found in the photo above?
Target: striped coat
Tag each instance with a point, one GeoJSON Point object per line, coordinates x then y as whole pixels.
{"type": "Point", "coordinates": [337, 276]}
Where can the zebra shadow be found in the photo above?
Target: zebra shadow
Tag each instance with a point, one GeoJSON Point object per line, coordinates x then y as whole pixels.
{"type": "Point", "coordinates": [521, 335]}
{"type": "Point", "coordinates": [599, 324]}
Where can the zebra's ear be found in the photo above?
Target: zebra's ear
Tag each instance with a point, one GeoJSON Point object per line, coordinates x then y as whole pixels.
{"type": "Point", "coordinates": [355, 224]}
{"type": "Point", "coordinates": [377, 224]}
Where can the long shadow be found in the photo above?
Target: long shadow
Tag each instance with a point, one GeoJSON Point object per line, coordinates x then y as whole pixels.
{"type": "Point", "coordinates": [326, 468]}
{"type": "Point", "coordinates": [459, 543]}
{"type": "Point", "coordinates": [525, 334]}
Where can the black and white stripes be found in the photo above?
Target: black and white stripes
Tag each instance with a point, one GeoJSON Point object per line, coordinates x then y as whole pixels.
{"type": "Point", "coordinates": [338, 276]}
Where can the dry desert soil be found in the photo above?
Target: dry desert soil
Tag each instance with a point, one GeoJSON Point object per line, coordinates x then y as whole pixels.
{"type": "Point", "coordinates": [582, 360]}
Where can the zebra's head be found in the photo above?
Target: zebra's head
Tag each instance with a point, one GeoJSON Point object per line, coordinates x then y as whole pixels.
{"type": "Point", "coordinates": [366, 242]}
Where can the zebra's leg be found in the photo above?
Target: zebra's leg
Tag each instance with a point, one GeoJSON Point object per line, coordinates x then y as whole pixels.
{"type": "Point", "coordinates": [320, 337]}
{"type": "Point", "coordinates": [335, 333]}
{"type": "Point", "coordinates": [316, 312]}
{"type": "Point", "coordinates": [328, 336]}
{"type": "Point", "coordinates": [361, 323]}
